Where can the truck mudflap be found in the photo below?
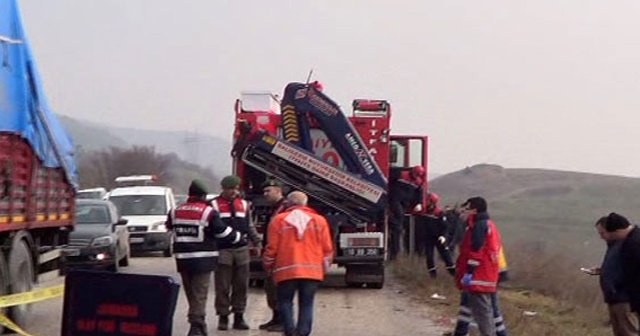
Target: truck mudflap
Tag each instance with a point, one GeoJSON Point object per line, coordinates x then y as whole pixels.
{"type": "Point", "coordinates": [356, 197]}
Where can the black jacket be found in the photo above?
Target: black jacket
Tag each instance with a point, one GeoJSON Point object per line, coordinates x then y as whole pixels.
{"type": "Point", "coordinates": [630, 257]}
{"type": "Point", "coordinates": [611, 275]}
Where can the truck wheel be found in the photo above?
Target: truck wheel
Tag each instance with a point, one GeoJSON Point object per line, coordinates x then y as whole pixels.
{"type": "Point", "coordinates": [21, 279]}
{"type": "Point", "coordinates": [4, 283]}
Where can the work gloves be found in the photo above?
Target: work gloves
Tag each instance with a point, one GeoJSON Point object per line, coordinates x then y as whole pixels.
{"type": "Point", "coordinates": [466, 279]}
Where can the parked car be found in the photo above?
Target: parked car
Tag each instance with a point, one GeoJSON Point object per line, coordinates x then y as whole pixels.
{"type": "Point", "coordinates": [146, 209]}
{"type": "Point", "coordinates": [99, 239]}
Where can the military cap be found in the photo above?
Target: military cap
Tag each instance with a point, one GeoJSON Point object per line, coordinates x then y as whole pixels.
{"type": "Point", "coordinates": [271, 183]}
{"type": "Point", "coordinates": [230, 181]}
{"type": "Point", "coordinates": [197, 188]}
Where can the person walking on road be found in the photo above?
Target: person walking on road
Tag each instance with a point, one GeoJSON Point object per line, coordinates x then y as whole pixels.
{"type": "Point", "coordinates": [298, 253]}
{"type": "Point", "coordinates": [477, 265]}
{"type": "Point", "coordinates": [272, 191]}
{"type": "Point", "coordinates": [197, 227]}
{"type": "Point", "coordinates": [619, 229]}
{"type": "Point", "coordinates": [232, 275]}
{"type": "Point", "coordinates": [623, 322]}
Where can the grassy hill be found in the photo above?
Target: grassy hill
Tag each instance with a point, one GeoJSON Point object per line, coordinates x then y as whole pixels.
{"type": "Point", "coordinates": [550, 210]}
{"type": "Point", "coordinates": [547, 219]}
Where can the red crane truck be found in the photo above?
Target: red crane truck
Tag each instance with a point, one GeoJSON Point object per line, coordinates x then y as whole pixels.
{"type": "Point", "coordinates": [37, 170]}
{"type": "Point", "coordinates": [344, 163]}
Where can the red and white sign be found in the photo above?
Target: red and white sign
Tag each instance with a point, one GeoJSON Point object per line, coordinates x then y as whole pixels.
{"type": "Point", "coordinates": [324, 149]}
{"type": "Point", "coordinates": [302, 159]}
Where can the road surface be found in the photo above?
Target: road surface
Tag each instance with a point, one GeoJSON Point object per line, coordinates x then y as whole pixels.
{"type": "Point", "coordinates": [338, 310]}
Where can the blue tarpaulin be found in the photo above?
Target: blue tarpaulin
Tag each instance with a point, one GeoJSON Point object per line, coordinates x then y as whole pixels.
{"type": "Point", "coordinates": [23, 106]}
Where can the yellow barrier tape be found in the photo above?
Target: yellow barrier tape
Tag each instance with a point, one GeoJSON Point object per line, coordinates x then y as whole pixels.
{"type": "Point", "coordinates": [5, 321]}
{"type": "Point", "coordinates": [35, 295]}
{"type": "Point", "coordinates": [32, 296]}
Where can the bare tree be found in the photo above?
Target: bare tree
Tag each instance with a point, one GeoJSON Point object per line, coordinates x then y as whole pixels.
{"type": "Point", "coordinates": [100, 168]}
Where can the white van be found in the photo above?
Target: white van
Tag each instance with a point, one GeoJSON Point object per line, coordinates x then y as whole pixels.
{"type": "Point", "coordinates": [146, 208]}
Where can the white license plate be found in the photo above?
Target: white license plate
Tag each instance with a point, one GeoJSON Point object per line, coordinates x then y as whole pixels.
{"type": "Point", "coordinates": [136, 240]}
{"type": "Point", "coordinates": [71, 252]}
{"type": "Point", "coordinates": [361, 252]}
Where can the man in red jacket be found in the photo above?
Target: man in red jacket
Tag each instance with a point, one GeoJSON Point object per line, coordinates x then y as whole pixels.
{"type": "Point", "coordinates": [477, 265]}
{"type": "Point", "coordinates": [298, 253]}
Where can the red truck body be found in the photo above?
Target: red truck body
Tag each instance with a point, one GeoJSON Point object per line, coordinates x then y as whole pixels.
{"type": "Point", "coordinates": [33, 196]}
{"type": "Point", "coordinates": [37, 170]}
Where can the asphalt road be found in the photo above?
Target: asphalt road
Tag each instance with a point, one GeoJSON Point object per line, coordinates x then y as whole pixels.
{"type": "Point", "coordinates": [338, 310]}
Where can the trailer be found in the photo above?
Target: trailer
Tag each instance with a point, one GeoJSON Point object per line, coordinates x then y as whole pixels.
{"type": "Point", "coordinates": [37, 170]}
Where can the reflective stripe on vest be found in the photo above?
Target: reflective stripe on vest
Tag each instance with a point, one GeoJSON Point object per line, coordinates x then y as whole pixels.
{"type": "Point", "coordinates": [222, 206]}
{"type": "Point", "coordinates": [190, 228]}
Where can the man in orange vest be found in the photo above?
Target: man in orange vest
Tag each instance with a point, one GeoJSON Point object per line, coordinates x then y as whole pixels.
{"type": "Point", "coordinates": [298, 253]}
{"type": "Point", "coordinates": [477, 265]}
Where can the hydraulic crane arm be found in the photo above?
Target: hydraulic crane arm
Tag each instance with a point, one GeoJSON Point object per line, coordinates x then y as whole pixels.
{"type": "Point", "coordinates": [358, 198]}
{"type": "Point", "coordinates": [305, 100]}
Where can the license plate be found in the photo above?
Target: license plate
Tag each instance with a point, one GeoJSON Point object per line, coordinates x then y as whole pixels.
{"type": "Point", "coordinates": [361, 252]}
{"type": "Point", "coordinates": [71, 252]}
{"type": "Point", "coordinates": [136, 240]}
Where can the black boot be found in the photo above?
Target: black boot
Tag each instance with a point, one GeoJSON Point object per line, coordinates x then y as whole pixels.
{"type": "Point", "coordinates": [239, 323]}
{"type": "Point", "coordinates": [451, 270]}
{"type": "Point", "coordinates": [223, 322]}
{"type": "Point", "coordinates": [274, 320]}
{"type": "Point", "coordinates": [197, 329]}
{"type": "Point", "coordinates": [433, 273]}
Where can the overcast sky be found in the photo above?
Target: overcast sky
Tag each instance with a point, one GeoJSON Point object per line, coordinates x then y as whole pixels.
{"type": "Point", "coordinates": [524, 84]}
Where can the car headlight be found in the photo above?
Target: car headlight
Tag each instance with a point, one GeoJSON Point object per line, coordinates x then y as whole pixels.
{"type": "Point", "coordinates": [158, 226]}
{"type": "Point", "coordinates": [102, 241]}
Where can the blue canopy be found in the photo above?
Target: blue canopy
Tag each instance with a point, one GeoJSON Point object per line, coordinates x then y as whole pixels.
{"type": "Point", "coordinates": [23, 105]}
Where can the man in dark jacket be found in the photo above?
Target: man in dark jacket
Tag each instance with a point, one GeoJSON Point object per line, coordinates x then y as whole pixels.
{"type": "Point", "coordinates": [618, 228]}
{"type": "Point", "coordinates": [612, 285]}
{"type": "Point", "coordinates": [196, 227]}
{"type": "Point", "coordinates": [405, 194]}
{"type": "Point", "coordinates": [434, 229]}
{"type": "Point", "coordinates": [272, 191]}
{"type": "Point", "coordinates": [455, 228]}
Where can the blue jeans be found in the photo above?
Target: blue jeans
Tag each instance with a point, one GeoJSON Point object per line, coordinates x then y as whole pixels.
{"type": "Point", "coordinates": [306, 289]}
{"type": "Point", "coordinates": [465, 318]}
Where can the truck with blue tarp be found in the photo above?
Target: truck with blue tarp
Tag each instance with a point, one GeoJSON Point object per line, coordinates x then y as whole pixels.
{"type": "Point", "coordinates": [37, 171]}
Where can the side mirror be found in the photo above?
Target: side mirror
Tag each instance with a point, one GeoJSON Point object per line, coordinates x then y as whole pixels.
{"type": "Point", "coordinates": [122, 221]}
